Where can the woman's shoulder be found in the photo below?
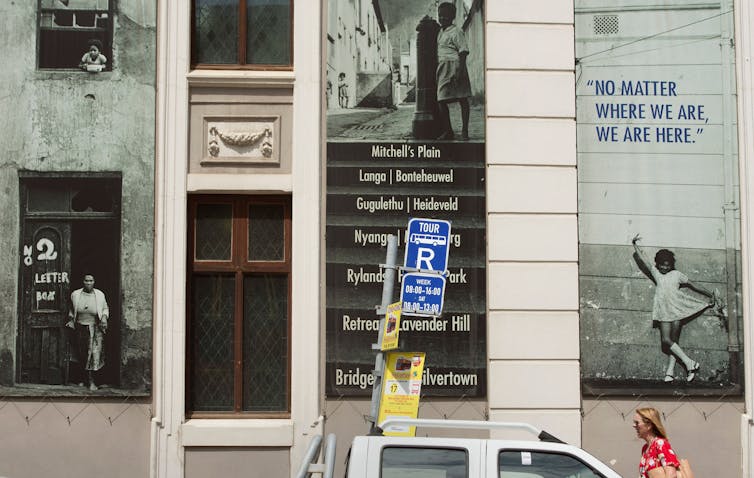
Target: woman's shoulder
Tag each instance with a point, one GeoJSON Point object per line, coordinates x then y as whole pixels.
{"type": "Point", "coordinates": [663, 444]}
{"type": "Point", "coordinates": [656, 445]}
{"type": "Point", "coordinates": [666, 452]}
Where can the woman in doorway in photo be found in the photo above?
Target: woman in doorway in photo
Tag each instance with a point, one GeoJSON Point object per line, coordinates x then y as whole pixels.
{"type": "Point", "coordinates": [658, 460]}
{"type": "Point", "coordinates": [672, 305]}
{"type": "Point", "coordinates": [89, 314]}
{"type": "Point", "coordinates": [453, 84]}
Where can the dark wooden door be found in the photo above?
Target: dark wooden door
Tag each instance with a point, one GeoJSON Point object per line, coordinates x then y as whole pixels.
{"type": "Point", "coordinates": [44, 299]}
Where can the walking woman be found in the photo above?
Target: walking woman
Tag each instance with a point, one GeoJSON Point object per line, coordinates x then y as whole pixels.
{"type": "Point", "coordinates": [658, 460]}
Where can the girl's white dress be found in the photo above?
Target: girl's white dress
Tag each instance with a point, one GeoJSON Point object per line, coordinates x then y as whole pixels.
{"type": "Point", "coordinates": [672, 303]}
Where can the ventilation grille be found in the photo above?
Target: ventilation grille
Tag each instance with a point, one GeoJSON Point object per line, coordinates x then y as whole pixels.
{"type": "Point", "coordinates": [605, 24]}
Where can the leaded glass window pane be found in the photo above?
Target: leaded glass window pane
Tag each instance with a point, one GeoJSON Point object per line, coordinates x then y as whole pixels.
{"type": "Point", "coordinates": [214, 225]}
{"type": "Point", "coordinates": [265, 343]}
{"type": "Point", "coordinates": [266, 233]}
{"type": "Point", "coordinates": [268, 32]}
{"type": "Point", "coordinates": [238, 357]}
{"type": "Point", "coordinates": [212, 351]}
{"type": "Point", "coordinates": [216, 31]}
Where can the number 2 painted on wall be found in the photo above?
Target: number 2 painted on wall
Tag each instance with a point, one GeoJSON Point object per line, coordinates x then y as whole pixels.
{"type": "Point", "coordinates": [47, 250]}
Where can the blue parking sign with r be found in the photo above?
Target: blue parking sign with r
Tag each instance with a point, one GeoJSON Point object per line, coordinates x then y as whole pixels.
{"type": "Point", "coordinates": [427, 244]}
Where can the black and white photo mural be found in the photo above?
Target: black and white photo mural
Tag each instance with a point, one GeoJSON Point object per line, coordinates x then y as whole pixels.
{"type": "Point", "coordinates": [77, 188]}
{"type": "Point", "coordinates": [659, 209]}
{"type": "Point", "coordinates": [68, 332]}
{"type": "Point", "coordinates": [405, 99]}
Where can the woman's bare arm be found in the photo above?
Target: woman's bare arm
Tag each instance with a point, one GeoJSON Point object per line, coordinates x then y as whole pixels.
{"type": "Point", "coordinates": [671, 472]}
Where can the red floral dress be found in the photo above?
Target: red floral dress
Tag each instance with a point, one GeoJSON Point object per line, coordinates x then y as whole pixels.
{"type": "Point", "coordinates": [656, 454]}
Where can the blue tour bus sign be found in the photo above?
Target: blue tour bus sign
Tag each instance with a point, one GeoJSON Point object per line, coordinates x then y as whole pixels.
{"type": "Point", "coordinates": [426, 261]}
{"type": "Point", "coordinates": [427, 244]}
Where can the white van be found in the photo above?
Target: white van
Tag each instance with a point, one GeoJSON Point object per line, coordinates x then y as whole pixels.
{"type": "Point", "coordinates": [376, 456]}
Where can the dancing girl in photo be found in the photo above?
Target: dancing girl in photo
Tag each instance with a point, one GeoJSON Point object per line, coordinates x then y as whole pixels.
{"type": "Point", "coordinates": [672, 305]}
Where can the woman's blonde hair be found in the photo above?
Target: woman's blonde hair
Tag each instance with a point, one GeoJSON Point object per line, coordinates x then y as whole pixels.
{"type": "Point", "coordinates": [652, 416]}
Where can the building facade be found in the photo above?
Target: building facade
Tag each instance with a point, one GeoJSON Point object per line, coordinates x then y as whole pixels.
{"type": "Point", "coordinates": [230, 206]}
{"type": "Point", "coordinates": [78, 197]}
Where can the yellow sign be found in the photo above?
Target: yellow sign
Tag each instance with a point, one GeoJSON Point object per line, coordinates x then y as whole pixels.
{"type": "Point", "coordinates": [392, 325]}
{"type": "Point", "coordinates": [401, 387]}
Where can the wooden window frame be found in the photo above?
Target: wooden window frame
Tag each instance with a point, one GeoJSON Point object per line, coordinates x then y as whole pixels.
{"type": "Point", "coordinates": [241, 60]}
{"type": "Point", "coordinates": [239, 266]}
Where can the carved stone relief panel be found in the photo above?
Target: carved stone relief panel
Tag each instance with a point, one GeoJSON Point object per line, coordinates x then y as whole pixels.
{"type": "Point", "coordinates": [238, 130]}
{"type": "Point", "coordinates": [241, 140]}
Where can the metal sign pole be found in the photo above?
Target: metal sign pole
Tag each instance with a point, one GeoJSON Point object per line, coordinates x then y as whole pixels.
{"type": "Point", "coordinates": [388, 285]}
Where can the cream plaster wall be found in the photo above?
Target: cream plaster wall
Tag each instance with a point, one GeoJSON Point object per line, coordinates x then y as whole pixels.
{"type": "Point", "coordinates": [533, 368]}
{"type": "Point", "coordinates": [706, 432]}
{"type": "Point", "coordinates": [47, 438]}
{"type": "Point", "coordinates": [514, 136]}
{"type": "Point", "coordinates": [211, 462]}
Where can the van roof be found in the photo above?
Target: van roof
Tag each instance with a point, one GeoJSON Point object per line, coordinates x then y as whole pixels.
{"type": "Point", "coordinates": [465, 425]}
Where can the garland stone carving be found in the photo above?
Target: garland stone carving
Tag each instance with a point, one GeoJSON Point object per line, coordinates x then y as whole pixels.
{"type": "Point", "coordinates": [240, 139]}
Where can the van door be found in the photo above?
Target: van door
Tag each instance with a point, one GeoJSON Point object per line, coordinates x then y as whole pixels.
{"type": "Point", "coordinates": [512, 459]}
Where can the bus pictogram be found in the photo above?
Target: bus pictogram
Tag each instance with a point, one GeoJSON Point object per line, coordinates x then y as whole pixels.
{"type": "Point", "coordinates": [428, 239]}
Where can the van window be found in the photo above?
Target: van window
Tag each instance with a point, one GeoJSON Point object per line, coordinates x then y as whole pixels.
{"type": "Point", "coordinates": [537, 464]}
{"type": "Point", "coordinates": [414, 462]}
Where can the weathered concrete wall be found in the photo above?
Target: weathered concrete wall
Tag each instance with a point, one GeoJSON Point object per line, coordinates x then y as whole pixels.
{"type": "Point", "coordinates": [66, 120]}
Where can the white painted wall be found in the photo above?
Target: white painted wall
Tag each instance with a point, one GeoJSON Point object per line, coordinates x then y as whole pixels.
{"type": "Point", "coordinates": [533, 332]}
